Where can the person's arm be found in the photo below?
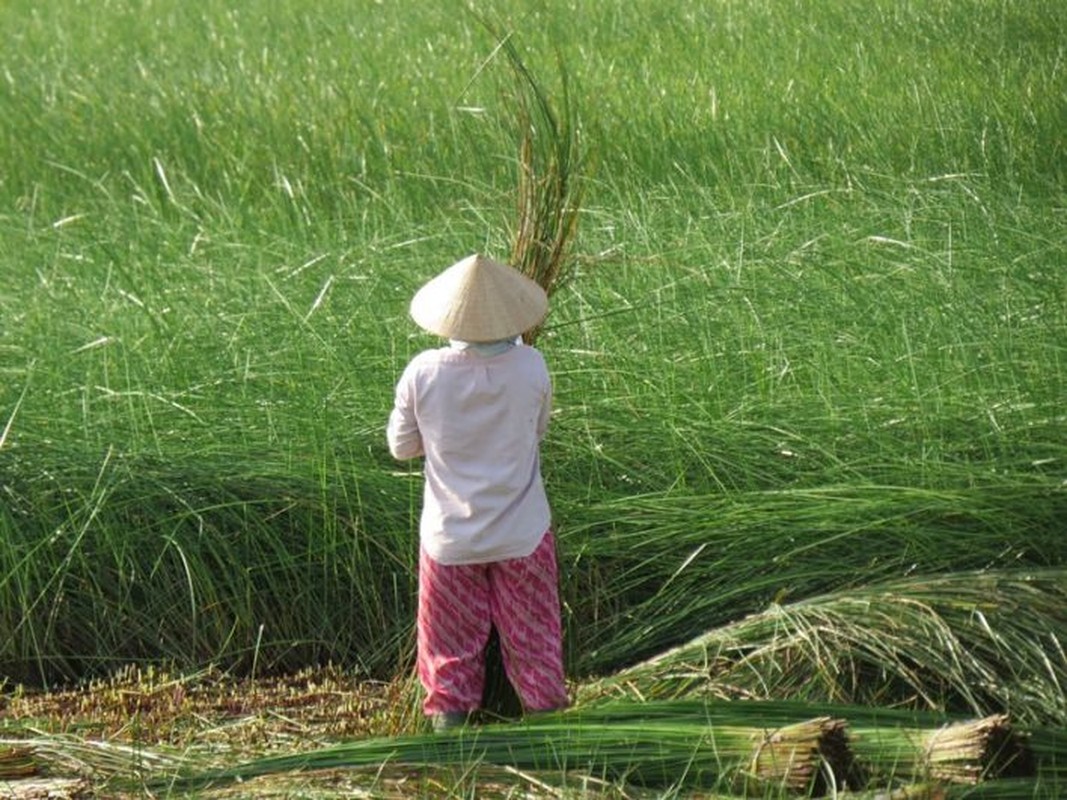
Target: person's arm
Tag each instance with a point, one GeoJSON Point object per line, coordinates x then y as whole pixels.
{"type": "Point", "coordinates": [405, 439]}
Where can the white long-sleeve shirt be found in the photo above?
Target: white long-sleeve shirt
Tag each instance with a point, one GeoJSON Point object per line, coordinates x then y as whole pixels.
{"type": "Point", "coordinates": [478, 421]}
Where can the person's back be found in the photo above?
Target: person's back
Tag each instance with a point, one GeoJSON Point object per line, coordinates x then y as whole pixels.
{"type": "Point", "coordinates": [480, 421]}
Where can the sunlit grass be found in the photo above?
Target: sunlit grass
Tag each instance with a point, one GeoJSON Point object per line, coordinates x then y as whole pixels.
{"type": "Point", "coordinates": [812, 336]}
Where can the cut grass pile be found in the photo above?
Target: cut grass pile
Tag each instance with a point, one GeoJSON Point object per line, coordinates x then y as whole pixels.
{"type": "Point", "coordinates": [661, 724]}
{"type": "Point", "coordinates": [690, 744]}
{"type": "Point", "coordinates": [980, 642]}
{"type": "Point", "coordinates": [732, 748]}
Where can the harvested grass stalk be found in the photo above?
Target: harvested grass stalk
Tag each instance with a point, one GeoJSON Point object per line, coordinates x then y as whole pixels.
{"type": "Point", "coordinates": [799, 757]}
{"type": "Point", "coordinates": [676, 744]}
{"type": "Point", "coordinates": [964, 752]}
{"type": "Point", "coordinates": [786, 749]}
{"type": "Point", "coordinates": [968, 752]}
{"type": "Point", "coordinates": [550, 185]}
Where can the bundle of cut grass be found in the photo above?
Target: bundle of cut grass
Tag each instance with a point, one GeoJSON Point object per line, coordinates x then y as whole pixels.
{"type": "Point", "coordinates": [794, 756]}
{"type": "Point", "coordinates": [667, 744]}
{"type": "Point", "coordinates": [964, 752]}
{"type": "Point", "coordinates": [550, 184]}
{"type": "Point", "coordinates": [976, 642]}
{"type": "Point", "coordinates": [73, 755]}
{"type": "Point", "coordinates": [968, 752]}
{"type": "Point", "coordinates": [790, 748]}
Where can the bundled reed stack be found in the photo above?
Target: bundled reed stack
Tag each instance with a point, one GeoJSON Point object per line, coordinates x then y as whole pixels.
{"type": "Point", "coordinates": [801, 756]}
{"type": "Point", "coordinates": [741, 746]}
{"type": "Point", "coordinates": [975, 750]}
{"type": "Point", "coordinates": [653, 745]}
{"type": "Point", "coordinates": [965, 752]}
{"type": "Point", "coordinates": [550, 186]}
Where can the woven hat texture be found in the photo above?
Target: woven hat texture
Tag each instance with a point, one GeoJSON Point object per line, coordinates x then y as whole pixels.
{"type": "Point", "coordinates": [478, 299]}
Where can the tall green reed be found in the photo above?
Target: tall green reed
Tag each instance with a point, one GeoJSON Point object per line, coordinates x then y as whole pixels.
{"type": "Point", "coordinates": [818, 253]}
{"type": "Point", "coordinates": [174, 563]}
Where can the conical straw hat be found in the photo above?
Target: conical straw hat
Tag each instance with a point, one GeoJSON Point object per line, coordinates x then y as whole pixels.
{"type": "Point", "coordinates": [479, 300]}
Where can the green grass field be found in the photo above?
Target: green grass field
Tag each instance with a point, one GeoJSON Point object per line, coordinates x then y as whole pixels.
{"type": "Point", "coordinates": [815, 340]}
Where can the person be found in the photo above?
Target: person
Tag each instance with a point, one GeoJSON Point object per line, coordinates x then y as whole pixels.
{"type": "Point", "coordinates": [476, 410]}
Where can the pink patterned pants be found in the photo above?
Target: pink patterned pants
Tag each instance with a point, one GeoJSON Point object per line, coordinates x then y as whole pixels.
{"type": "Point", "coordinates": [459, 604]}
